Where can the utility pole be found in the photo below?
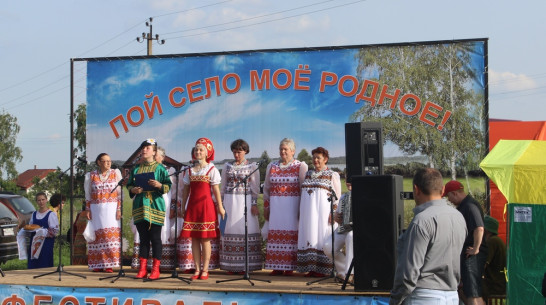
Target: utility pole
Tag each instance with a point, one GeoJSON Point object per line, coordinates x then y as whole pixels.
{"type": "Point", "coordinates": [149, 37]}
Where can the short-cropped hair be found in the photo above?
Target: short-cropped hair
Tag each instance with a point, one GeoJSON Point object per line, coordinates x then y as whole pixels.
{"type": "Point", "coordinates": [322, 151]}
{"type": "Point", "coordinates": [56, 199]}
{"type": "Point", "coordinates": [429, 181]}
{"type": "Point", "coordinates": [240, 144]}
{"type": "Point", "coordinates": [288, 142]}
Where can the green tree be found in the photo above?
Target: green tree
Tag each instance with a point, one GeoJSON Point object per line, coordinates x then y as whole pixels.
{"type": "Point", "coordinates": [441, 74]}
{"type": "Point", "coordinates": [304, 156]}
{"type": "Point", "coordinates": [51, 184]}
{"type": "Point", "coordinates": [265, 157]}
{"type": "Point", "coordinates": [8, 186]}
{"type": "Point", "coordinates": [80, 149]}
{"type": "Point", "coordinates": [10, 154]}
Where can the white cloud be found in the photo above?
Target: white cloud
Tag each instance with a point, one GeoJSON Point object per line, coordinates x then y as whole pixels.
{"type": "Point", "coordinates": [227, 63]}
{"type": "Point", "coordinates": [139, 73]}
{"type": "Point", "coordinates": [504, 82]}
{"type": "Point", "coordinates": [112, 86]}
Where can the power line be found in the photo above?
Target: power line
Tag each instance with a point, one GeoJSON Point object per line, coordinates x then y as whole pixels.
{"type": "Point", "coordinates": [267, 21]}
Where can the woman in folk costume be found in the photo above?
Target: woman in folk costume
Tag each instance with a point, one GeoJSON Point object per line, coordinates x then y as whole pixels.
{"type": "Point", "coordinates": [282, 185]}
{"type": "Point", "coordinates": [200, 217]}
{"type": "Point", "coordinates": [232, 254]}
{"type": "Point", "coordinates": [103, 208]}
{"type": "Point", "coordinates": [167, 250]}
{"type": "Point", "coordinates": [315, 220]}
{"type": "Point", "coordinates": [147, 183]}
{"type": "Point", "coordinates": [48, 221]}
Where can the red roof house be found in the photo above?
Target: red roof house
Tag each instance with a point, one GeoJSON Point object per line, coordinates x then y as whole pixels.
{"type": "Point", "coordinates": [24, 180]}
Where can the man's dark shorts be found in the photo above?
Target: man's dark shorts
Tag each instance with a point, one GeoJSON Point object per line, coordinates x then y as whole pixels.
{"type": "Point", "coordinates": [471, 274]}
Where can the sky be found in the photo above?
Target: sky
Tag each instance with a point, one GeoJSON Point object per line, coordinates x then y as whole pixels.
{"type": "Point", "coordinates": [39, 40]}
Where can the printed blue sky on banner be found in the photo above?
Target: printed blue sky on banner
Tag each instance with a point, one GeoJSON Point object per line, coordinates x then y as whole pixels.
{"type": "Point", "coordinates": [261, 117]}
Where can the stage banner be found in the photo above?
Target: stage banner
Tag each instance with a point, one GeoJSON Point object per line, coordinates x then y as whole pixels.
{"type": "Point", "coordinates": [36, 295]}
{"type": "Point", "coordinates": [429, 96]}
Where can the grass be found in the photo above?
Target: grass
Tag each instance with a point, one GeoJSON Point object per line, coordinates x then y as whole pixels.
{"type": "Point", "coordinates": [17, 264]}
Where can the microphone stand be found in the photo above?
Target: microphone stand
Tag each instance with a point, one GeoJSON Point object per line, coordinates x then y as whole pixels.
{"type": "Point", "coordinates": [121, 272]}
{"type": "Point", "coordinates": [332, 197]}
{"type": "Point", "coordinates": [246, 276]}
{"type": "Point", "coordinates": [60, 241]}
{"type": "Point", "coordinates": [174, 274]}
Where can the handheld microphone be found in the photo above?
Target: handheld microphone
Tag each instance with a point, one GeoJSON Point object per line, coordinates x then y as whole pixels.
{"type": "Point", "coordinates": [261, 162]}
{"type": "Point", "coordinates": [333, 193]}
{"type": "Point", "coordinates": [193, 162]}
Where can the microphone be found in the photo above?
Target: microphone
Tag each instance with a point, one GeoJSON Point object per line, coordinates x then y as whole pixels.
{"type": "Point", "coordinates": [193, 162]}
{"type": "Point", "coordinates": [82, 159]}
{"type": "Point", "coordinates": [333, 193]}
{"type": "Point", "coordinates": [261, 162]}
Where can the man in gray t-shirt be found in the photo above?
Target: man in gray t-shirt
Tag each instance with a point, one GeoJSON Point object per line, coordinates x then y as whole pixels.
{"type": "Point", "coordinates": [428, 264]}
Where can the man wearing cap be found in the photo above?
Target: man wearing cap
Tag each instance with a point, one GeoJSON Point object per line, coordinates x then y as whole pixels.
{"type": "Point", "coordinates": [474, 251]}
{"type": "Point", "coordinates": [494, 280]}
{"type": "Point", "coordinates": [428, 266]}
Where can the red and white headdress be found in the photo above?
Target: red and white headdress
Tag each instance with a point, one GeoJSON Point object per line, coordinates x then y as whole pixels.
{"type": "Point", "coordinates": [208, 146]}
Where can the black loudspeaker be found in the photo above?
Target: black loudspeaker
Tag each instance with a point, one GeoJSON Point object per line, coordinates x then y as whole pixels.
{"type": "Point", "coordinates": [378, 220]}
{"type": "Point", "coordinates": [363, 149]}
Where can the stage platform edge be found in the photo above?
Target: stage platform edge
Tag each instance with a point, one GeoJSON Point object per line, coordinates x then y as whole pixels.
{"type": "Point", "coordinates": [20, 288]}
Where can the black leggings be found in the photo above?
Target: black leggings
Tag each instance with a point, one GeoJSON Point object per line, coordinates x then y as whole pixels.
{"type": "Point", "coordinates": [149, 234]}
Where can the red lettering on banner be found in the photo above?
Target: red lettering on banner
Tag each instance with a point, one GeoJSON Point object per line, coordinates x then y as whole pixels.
{"type": "Point", "coordinates": [257, 82]}
{"type": "Point", "coordinates": [13, 300]}
{"type": "Point", "coordinates": [384, 95]}
{"type": "Point", "coordinates": [191, 91]}
{"type": "Point", "coordinates": [237, 83]}
{"type": "Point", "coordinates": [341, 85]}
{"type": "Point", "coordinates": [299, 77]}
{"type": "Point", "coordinates": [38, 299]}
{"type": "Point", "coordinates": [150, 302]}
{"type": "Point", "coordinates": [179, 302]}
{"type": "Point", "coordinates": [327, 79]}
{"type": "Point", "coordinates": [95, 300]}
{"type": "Point", "coordinates": [362, 94]}
{"type": "Point", "coordinates": [150, 110]}
{"type": "Point", "coordinates": [128, 301]}
{"type": "Point", "coordinates": [171, 97]}
{"type": "Point", "coordinates": [428, 112]}
{"type": "Point", "coordinates": [212, 303]}
{"type": "Point", "coordinates": [407, 97]}
{"type": "Point", "coordinates": [288, 81]}
{"type": "Point", "coordinates": [113, 127]}
{"type": "Point", "coordinates": [69, 300]}
{"type": "Point", "coordinates": [139, 111]}
{"type": "Point", "coordinates": [208, 90]}
{"type": "Point", "coordinates": [444, 120]}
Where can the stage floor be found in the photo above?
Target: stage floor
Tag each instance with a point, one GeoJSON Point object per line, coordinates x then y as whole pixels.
{"type": "Point", "coordinates": [279, 284]}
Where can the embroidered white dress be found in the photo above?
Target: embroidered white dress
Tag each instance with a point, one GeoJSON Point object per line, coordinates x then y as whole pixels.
{"type": "Point", "coordinates": [282, 195]}
{"type": "Point", "coordinates": [313, 225]}
{"type": "Point", "coordinates": [105, 251]}
{"type": "Point", "coordinates": [232, 251]}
